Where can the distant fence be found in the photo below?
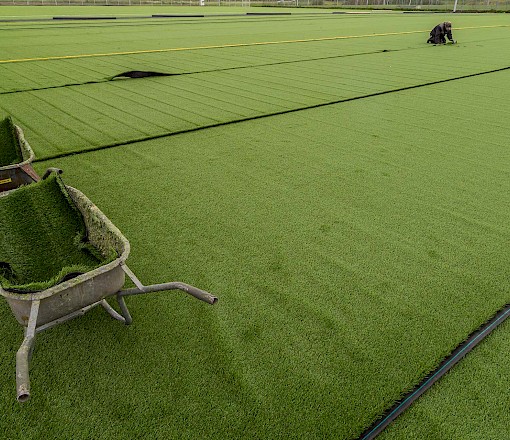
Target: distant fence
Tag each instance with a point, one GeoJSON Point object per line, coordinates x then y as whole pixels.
{"type": "Point", "coordinates": [444, 5]}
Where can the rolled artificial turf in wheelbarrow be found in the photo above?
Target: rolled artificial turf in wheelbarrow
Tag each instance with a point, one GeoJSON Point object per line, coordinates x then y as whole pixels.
{"type": "Point", "coordinates": [10, 152]}
{"type": "Point", "coordinates": [42, 238]}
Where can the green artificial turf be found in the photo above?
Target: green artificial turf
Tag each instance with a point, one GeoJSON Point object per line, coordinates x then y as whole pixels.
{"type": "Point", "coordinates": [227, 83]}
{"type": "Point", "coordinates": [352, 246]}
{"type": "Point", "coordinates": [349, 260]}
{"type": "Point", "coordinates": [42, 238]}
{"type": "Point", "coordinates": [470, 403]}
{"type": "Point", "coordinates": [10, 152]}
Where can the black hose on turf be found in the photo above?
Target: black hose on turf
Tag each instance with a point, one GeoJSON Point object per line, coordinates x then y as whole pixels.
{"type": "Point", "coordinates": [464, 348]}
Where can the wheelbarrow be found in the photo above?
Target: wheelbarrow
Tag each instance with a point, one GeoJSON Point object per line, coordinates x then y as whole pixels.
{"type": "Point", "coordinates": [45, 309]}
{"type": "Point", "coordinates": [14, 175]}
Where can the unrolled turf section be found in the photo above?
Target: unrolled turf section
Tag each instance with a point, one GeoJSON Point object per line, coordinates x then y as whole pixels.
{"type": "Point", "coordinates": [353, 245]}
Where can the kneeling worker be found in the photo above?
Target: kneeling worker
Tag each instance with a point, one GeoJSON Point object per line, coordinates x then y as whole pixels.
{"type": "Point", "coordinates": [437, 35]}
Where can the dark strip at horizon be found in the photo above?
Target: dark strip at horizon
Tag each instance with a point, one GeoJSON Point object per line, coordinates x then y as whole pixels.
{"type": "Point", "coordinates": [127, 17]}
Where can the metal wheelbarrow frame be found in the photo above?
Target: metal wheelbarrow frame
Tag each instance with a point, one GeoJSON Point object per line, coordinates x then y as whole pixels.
{"type": "Point", "coordinates": [22, 173]}
{"type": "Point", "coordinates": [45, 309]}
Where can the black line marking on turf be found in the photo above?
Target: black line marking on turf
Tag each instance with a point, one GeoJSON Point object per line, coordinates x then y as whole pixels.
{"type": "Point", "coordinates": [242, 18]}
{"type": "Point", "coordinates": [198, 72]}
{"type": "Point", "coordinates": [176, 16]}
{"type": "Point", "coordinates": [82, 17]}
{"type": "Point", "coordinates": [450, 361]}
{"type": "Point", "coordinates": [146, 17]}
{"type": "Point", "coordinates": [267, 13]}
{"type": "Point", "coordinates": [267, 115]}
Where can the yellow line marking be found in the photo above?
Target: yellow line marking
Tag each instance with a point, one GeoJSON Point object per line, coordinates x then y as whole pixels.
{"type": "Point", "coordinates": [261, 43]}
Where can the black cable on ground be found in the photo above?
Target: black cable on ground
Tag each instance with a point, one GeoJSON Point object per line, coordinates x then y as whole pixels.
{"type": "Point", "coordinates": [464, 348]}
{"type": "Point", "coordinates": [267, 115]}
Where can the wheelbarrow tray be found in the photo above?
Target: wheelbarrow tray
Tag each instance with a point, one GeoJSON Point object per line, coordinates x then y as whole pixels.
{"type": "Point", "coordinates": [65, 298]}
{"type": "Point", "coordinates": [15, 175]}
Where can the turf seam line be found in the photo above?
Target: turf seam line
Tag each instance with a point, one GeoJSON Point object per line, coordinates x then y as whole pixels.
{"type": "Point", "coordinates": [267, 115]}
{"type": "Point", "coordinates": [38, 89]}
{"type": "Point", "coordinates": [447, 364]}
{"type": "Point", "coordinates": [101, 81]}
{"type": "Point", "coordinates": [224, 46]}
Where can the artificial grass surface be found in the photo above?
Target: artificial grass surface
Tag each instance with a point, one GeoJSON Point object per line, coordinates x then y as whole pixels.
{"type": "Point", "coordinates": [352, 247]}
{"type": "Point", "coordinates": [42, 238]}
{"type": "Point", "coordinates": [229, 83]}
{"type": "Point", "coordinates": [470, 403]}
{"type": "Point", "coordinates": [349, 260]}
{"type": "Point", "coordinates": [10, 152]}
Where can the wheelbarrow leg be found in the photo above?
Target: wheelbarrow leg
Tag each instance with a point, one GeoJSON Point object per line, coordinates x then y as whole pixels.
{"type": "Point", "coordinates": [125, 312]}
{"type": "Point", "coordinates": [24, 354]}
{"type": "Point", "coordinates": [124, 316]}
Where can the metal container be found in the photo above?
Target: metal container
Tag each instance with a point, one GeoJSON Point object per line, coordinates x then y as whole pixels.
{"type": "Point", "coordinates": [85, 289]}
{"type": "Point", "coordinates": [22, 173]}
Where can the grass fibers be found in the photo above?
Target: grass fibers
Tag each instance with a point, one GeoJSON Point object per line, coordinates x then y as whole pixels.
{"type": "Point", "coordinates": [352, 246]}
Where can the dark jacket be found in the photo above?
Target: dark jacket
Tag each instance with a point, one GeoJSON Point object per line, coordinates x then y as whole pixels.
{"type": "Point", "coordinates": [437, 35]}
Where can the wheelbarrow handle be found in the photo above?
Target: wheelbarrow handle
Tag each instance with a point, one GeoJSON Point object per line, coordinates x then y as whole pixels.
{"type": "Point", "coordinates": [176, 285]}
